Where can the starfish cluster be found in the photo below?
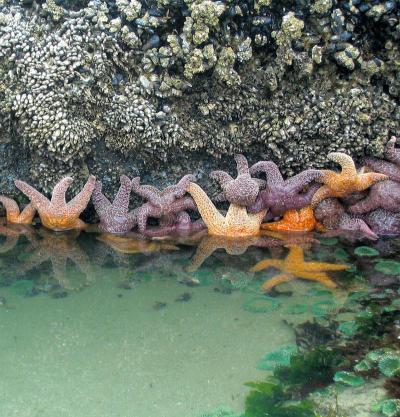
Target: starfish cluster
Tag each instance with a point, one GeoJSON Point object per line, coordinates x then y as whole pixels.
{"type": "Point", "coordinates": [360, 202]}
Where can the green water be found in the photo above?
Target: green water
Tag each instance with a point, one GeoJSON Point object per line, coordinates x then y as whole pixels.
{"type": "Point", "coordinates": [90, 331]}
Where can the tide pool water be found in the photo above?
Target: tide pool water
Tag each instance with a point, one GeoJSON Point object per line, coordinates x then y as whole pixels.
{"type": "Point", "coordinates": [89, 329]}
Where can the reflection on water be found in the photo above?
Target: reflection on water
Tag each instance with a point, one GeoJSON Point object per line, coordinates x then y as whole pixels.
{"type": "Point", "coordinates": [96, 324]}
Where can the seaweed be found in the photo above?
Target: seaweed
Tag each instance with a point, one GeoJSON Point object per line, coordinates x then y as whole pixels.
{"type": "Point", "coordinates": [311, 370]}
{"type": "Point", "coordinates": [269, 399]}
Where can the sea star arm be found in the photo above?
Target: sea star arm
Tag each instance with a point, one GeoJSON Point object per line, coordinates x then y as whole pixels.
{"type": "Point", "coordinates": [100, 201]}
{"type": "Point", "coordinates": [304, 199]}
{"type": "Point", "coordinates": [11, 207]}
{"type": "Point", "coordinates": [266, 263]}
{"type": "Point", "coordinates": [180, 189]}
{"type": "Point", "coordinates": [27, 214]}
{"type": "Point", "coordinates": [392, 154]}
{"type": "Point", "coordinates": [13, 214]}
{"type": "Point", "coordinates": [366, 205]}
{"type": "Point", "coordinates": [351, 224]}
{"type": "Point", "coordinates": [209, 213]}
{"type": "Point", "coordinates": [147, 192]}
{"type": "Point", "coordinates": [143, 213]}
{"type": "Point", "coordinates": [262, 201]}
{"type": "Point", "coordinates": [121, 201]}
{"type": "Point", "coordinates": [274, 177]}
{"type": "Point", "coordinates": [276, 280]}
{"type": "Point", "coordinates": [38, 199]}
{"type": "Point", "coordinates": [59, 190]}
{"type": "Point", "coordinates": [321, 277]}
{"type": "Point", "coordinates": [186, 203]}
{"type": "Point", "coordinates": [324, 266]}
{"type": "Point", "coordinates": [295, 255]}
{"type": "Point", "coordinates": [221, 177]}
{"type": "Point", "coordinates": [299, 181]}
{"type": "Point", "coordinates": [345, 161]}
{"type": "Point", "coordinates": [384, 167]}
{"type": "Point", "coordinates": [321, 194]}
{"type": "Point", "coordinates": [242, 165]}
{"type": "Point", "coordinates": [81, 200]}
{"type": "Point", "coordinates": [366, 180]}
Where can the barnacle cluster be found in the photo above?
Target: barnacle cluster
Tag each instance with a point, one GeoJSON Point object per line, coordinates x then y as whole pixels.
{"type": "Point", "coordinates": [87, 81]}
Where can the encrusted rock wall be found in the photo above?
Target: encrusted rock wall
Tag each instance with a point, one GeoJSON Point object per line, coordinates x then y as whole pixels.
{"type": "Point", "coordinates": [164, 87]}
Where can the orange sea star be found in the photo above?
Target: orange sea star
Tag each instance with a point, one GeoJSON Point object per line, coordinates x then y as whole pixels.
{"type": "Point", "coordinates": [294, 266]}
{"type": "Point", "coordinates": [236, 223]}
{"type": "Point", "coordinates": [14, 215]}
{"type": "Point", "coordinates": [346, 182]}
{"type": "Point", "coordinates": [302, 220]}
{"type": "Point", "coordinates": [57, 214]}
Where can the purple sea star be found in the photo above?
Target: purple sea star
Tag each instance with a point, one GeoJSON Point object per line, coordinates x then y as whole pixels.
{"type": "Point", "coordinates": [383, 222]}
{"type": "Point", "coordinates": [331, 213]}
{"type": "Point", "coordinates": [384, 195]}
{"type": "Point", "coordinates": [57, 214]}
{"type": "Point", "coordinates": [165, 204]}
{"type": "Point", "coordinates": [242, 190]}
{"type": "Point", "coordinates": [391, 168]}
{"type": "Point", "coordinates": [280, 195]}
{"type": "Point", "coordinates": [115, 217]}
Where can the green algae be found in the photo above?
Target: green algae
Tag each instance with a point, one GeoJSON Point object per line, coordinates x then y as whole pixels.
{"type": "Point", "coordinates": [269, 399]}
{"type": "Point", "coordinates": [348, 378]}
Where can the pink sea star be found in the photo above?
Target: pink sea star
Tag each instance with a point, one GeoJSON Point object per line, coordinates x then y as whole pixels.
{"type": "Point", "coordinates": [241, 191]}
{"type": "Point", "coordinates": [165, 204]}
{"type": "Point", "coordinates": [115, 217]}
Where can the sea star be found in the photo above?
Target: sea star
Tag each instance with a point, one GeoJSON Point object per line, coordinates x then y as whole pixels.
{"type": "Point", "coordinates": [14, 215]}
{"type": "Point", "coordinates": [58, 248]}
{"type": "Point", "coordinates": [302, 220]}
{"type": "Point", "coordinates": [163, 204]}
{"type": "Point", "coordinates": [241, 191]}
{"type": "Point", "coordinates": [332, 215]}
{"type": "Point", "coordinates": [132, 245]}
{"type": "Point", "coordinates": [233, 246]}
{"type": "Point", "coordinates": [345, 182]}
{"type": "Point", "coordinates": [392, 168]}
{"type": "Point", "coordinates": [236, 223]}
{"type": "Point", "coordinates": [57, 214]}
{"type": "Point", "coordinates": [383, 222]}
{"type": "Point", "coordinates": [294, 266]}
{"type": "Point", "coordinates": [280, 195]}
{"type": "Point", "coordinates": [384, 195]}
{"type": "Point", "coordinates": [182, 227]}
{"type": "Point", "coordinates": [115, 217]}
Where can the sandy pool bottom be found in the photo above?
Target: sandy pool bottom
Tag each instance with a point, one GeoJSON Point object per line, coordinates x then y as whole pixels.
{"type": "Point", "coordinates": [106, 352]}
